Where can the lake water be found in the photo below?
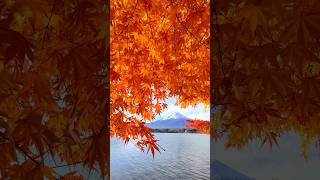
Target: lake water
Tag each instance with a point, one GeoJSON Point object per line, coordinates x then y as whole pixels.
{"type": "Point", "coordinates": [186, 156]}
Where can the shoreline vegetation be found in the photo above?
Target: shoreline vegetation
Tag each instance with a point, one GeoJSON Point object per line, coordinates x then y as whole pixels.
{"type": "Point", "coordinates": [174, 130]}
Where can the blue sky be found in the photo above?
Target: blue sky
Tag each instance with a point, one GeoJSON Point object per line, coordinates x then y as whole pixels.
{"type": "Point", "coordinates": [198, 112]}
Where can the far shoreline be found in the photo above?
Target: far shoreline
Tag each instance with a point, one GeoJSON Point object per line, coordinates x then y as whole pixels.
{"type": "Point", "coordinates": [174, 130]}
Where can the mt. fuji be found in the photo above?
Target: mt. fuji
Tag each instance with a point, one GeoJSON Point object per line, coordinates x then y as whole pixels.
{"type": "Point", "coordinates": [176, 115]}
{"type": "Point", "coordinates": [174, 120]}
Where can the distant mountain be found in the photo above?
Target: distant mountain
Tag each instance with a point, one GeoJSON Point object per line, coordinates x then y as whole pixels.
{"type": "Point", "coordinates": [174, 120]}
{"type": "Point", "coordinates": [176, 115]}
{"type": "Point", "coordinates": [224, 172]}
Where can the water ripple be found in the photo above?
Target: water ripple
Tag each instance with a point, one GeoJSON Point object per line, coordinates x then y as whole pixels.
{"type": "Point", "coordinates": [186, 157]}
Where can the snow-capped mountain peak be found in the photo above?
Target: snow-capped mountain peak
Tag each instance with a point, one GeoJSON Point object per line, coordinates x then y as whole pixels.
{"type": "Point", "coordinates": [176, 115]}
{"type": "Point", "coordinates": [174, 120]}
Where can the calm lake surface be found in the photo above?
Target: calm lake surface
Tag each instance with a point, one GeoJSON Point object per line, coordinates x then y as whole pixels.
{"type": "Point", "coordinates": [186, 156]}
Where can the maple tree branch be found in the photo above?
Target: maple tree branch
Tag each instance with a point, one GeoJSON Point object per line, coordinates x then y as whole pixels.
{"type": "Point", "coordinates": [89, 174]}
{"type": "Point", "coordinates": [70, 164]}
{"type": "Point", "coordinates": [234, 62]}
{"type": "Point", "coordinates": [19, 148]}
{"type": "Point", "coordinates": [51, 13]}
{"type": "Point", "coordinates": [49, 20]}
{"type": "Point", "coordinates": [26, 154]}
{"type": "Point", "coordinates": [188, 30]}
{"type": "Point", "coordinates": [160, 147]}
{"type": "Point", "coordinates": [183, 25]}
{"type": "Point", "coordinates": [129, 19]}
{"type": "Point", "coordinates": [56, 145]}
{"type": "Point", "coordinates": [215, 13]}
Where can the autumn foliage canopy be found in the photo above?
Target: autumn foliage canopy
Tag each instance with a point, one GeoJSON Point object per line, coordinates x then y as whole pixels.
{"type": "Point", "coordinates": [159, 49]}
{"type": "Point", "coordinates": [53, 90]}
{"type": "Point", "coordinates": [266, 70]}
{"type": "Point", "coordinates": [55, 76]}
